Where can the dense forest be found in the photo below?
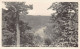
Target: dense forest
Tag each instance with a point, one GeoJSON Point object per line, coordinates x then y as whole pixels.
{"type": "Point", "coordinates": [58, 30]}
{"type": "Point", "coordinates": [64, 29]}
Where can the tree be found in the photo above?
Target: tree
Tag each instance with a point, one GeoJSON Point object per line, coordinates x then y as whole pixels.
{"type": "Point", "coordinates": [65, 23]}
{"type": "Point", "coordinates": [12, 16]}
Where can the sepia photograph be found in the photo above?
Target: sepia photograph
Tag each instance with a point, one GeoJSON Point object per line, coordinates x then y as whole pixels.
{"type": "Point", "coordinates": [39, 24]}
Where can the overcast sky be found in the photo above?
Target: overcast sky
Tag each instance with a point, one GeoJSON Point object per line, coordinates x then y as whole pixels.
{"type": "Point", "coordinates": [40, 7]}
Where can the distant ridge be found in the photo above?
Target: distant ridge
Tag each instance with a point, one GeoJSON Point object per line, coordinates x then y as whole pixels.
{"type": "Point", "coordinates": [35, 21]}
{"type": "Point", "coordinates": [37, 15]}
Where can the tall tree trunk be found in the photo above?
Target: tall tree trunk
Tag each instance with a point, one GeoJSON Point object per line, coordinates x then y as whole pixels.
{"type": "Point", "coordinates": [18, 35]}
{"type": "Point", "coordinates": [17, 30]}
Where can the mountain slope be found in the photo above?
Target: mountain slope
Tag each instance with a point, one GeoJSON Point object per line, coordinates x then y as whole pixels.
{"type": "Point", "coordinates": [35, 21]}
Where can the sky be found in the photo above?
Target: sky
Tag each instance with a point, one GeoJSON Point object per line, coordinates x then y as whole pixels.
{"type": "Point", "coordinates": [39, 7]}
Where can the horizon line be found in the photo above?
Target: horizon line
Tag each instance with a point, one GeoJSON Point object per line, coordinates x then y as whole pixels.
{"type": "Point", "coordinates": [39, 15]}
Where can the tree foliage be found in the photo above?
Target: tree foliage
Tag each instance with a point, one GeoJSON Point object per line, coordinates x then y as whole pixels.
{"type": "Point", "coordinates": [9, 18]}
{"type": "Point", "coordinates": [64, 28]}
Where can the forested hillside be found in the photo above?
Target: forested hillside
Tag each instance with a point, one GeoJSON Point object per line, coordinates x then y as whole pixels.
{"type": "Point", "coordinates": [36, 21]}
